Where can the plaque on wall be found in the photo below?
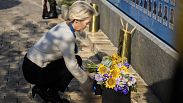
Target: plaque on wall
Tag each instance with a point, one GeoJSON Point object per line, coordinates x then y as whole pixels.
{"type": "Point", "coordinates": [157, 16]}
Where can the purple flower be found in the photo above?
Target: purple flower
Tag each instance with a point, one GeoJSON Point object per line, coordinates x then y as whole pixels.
{"type": "Point", "coordinates": [120, 88]}
{"type": "Point", "coordinates": [104, 79]}
{"type": "Point", "coordinates": [118, 81]}
{"type": "Point", "coordinates": [127, 64]}
{"type": "Point", "coordinates": [106, 75]}
{"type": "Point", "coordinates": [115, 88]}
{"type": "Point", "coordinates": [131, 78]}
{"type": "Point", "coordinates": [125, 90]}
{"type": "Point", "coordinates": [98, 77]}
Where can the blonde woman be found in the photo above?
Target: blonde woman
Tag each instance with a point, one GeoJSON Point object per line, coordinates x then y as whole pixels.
{"type": "Point", "coordinates": [51, 63]}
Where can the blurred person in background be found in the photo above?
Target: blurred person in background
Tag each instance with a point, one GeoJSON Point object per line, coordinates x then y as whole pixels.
{"type": "Point", "coordinates": [52, 13]}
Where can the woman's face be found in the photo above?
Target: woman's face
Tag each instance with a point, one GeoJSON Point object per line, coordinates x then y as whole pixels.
{"type": "Point", "coordinates": [81, 25]}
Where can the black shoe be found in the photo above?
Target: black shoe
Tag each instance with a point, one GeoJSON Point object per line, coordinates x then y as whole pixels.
{"type": "Point", "coordinates": [65, 100]}
{"type": "Point", "coordinates": [51, 15]}
{"type": "Point", "coordinates": [44, 94]}
{"type": "Point", "coordinates": [55, 95]}
{"type": "Point", "coordinates": [45, 16]}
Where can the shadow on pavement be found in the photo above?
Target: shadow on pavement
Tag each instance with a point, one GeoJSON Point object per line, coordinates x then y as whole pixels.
{"type": "Point", "coordinates": [6, 4]}
{"type": "Point", "coordinates": [162, 90]}
{"type": "Point", "coordinates": [13, 45]}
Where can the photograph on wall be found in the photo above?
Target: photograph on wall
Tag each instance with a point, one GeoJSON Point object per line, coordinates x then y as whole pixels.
{"type": "Point", "coordinates": [145, 6]}
{"type": "Point", "coordinates": [130, 2]}
{"type": "Point", "coordinates": [172, 2]}
{"type": "Point", "coordinates": [165, 15]}
{"type": "Point", "coordinates": [171, 19]}
{"type": "Point", "coordinates": [160, 12]}
{"type": "Point", "coordinates": [149, 7]}
{"type": "Point", "coordinates": [141, 5]}
{"type": "Point", "coordinates": [137, 4]}
{"type": "Point", "coordinates": [126, 1]}
{"type": "Point", "coordinates": [166, 1]}
{"type": "Point", "coordinates": [133, 3]}
{"type": "Point", "coordinates": [154, 9]}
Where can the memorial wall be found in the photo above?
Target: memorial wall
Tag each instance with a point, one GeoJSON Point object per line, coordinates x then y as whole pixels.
{"type": "Point", "coordinates": [157, 16]}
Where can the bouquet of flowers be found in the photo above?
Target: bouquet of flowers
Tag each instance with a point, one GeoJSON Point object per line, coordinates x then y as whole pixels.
{"type": "Point", "coordinates": [113, 73]}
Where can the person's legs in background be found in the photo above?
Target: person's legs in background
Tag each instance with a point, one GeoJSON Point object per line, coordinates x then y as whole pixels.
{"type": "Point", "coordinates": [52, 12]}
{"type": "Point", "coordinates": [45, 14]}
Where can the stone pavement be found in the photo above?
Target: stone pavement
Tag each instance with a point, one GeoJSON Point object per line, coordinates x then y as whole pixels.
{"type": "Point", "coordinates": [21, 26]}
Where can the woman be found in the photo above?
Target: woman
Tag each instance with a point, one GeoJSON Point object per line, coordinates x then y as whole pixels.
{"type": "Point", "coordinates": [51, 63]}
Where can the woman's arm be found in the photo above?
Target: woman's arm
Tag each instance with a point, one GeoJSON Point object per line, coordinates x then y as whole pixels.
{"type": "Point", "coordinates": [67, 48]}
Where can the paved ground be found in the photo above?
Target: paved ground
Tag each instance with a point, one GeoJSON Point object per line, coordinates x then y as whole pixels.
{"type": "Point", "coordinates": [21, 26]}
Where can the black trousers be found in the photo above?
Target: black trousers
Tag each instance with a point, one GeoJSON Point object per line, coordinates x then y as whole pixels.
{"type": "Point", "coordinates": [55, 75]}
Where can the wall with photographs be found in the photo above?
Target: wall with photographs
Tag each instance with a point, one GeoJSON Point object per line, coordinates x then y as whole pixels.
{"type": "Point", "coordinates": [155, 15]}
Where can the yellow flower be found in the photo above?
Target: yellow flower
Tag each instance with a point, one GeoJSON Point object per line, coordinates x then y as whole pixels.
{"type": "Point", "coordinates": [119, 60]}
{"type": "Point", "coordinates": [114, 57]}
{"type": "Point", "coordinates": [102, 69]}
{"type": "Point", "coordinates": [124, 68]}
{"type": "Point", "coordinates": [110, 83]}
{"type": "Point", "coordinates": [115, 73]}
{"type": "Point", "coordinates": [114, 62]}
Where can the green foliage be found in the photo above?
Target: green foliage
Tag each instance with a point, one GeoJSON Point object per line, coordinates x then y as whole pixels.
{"type": "Point", "coordinates": [90, 66]}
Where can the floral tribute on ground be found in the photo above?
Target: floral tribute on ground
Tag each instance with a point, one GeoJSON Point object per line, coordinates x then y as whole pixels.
{"type": "Point", "coordinates": [113, 72]}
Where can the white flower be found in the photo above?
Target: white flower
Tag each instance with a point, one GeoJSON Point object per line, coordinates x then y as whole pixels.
{"type": "Point", "coordinates": [98, 77]}
{"type": "Point", "coordinates": [130, 83]}
{"type": "Point", "coordinates": [133, 80]}
{"type": "Point", "coordinates": [124, 80]}
{"type": "Point", "coordinates": [119, 65]}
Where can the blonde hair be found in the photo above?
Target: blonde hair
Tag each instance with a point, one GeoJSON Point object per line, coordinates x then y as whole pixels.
{"type": "Point", "coordinates": [80, 10]}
